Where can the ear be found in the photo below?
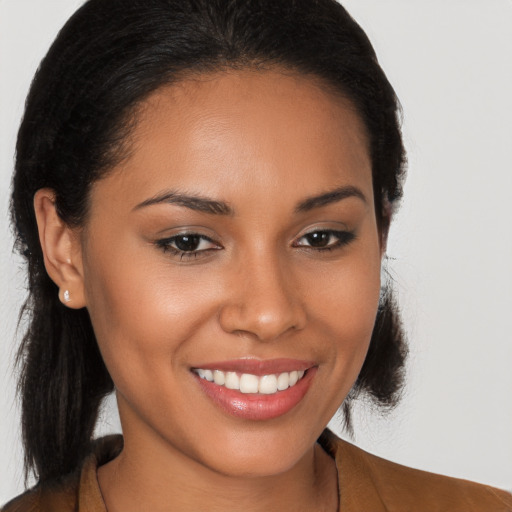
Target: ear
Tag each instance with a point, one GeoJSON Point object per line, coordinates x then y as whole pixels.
{"type": "Point", "coordinates": [61, 247]}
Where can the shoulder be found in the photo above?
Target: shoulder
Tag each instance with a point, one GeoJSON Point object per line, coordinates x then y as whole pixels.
{"type": "Point", "coordinates": [76, 492]}
{"type": "Point", "coordinates": [376, 484]}
{"type": "Point", "coordinates": [51, 497]}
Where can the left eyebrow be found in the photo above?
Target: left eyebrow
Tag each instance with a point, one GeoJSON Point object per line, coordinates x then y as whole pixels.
{"type": "Point", "coordinates": [333, 196]}
{"type": "Point", "coordinates": [190, 201]}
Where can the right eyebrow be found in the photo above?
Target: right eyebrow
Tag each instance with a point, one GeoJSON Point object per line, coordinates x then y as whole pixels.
{"type": "Point", "coordinates": [191, 201]}
{"type": "Point", "coordinates": [332, 196]}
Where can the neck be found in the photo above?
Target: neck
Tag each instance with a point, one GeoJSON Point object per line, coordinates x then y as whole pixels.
{"type": "Point", "coordinates": [154, 476]}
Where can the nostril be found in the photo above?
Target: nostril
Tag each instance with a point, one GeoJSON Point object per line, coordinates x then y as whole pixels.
{"type": "Point", "coordinates": [259, 322]}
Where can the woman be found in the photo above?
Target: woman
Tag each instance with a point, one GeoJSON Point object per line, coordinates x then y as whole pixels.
{"type": "Point", "coordinates": [203, 192]}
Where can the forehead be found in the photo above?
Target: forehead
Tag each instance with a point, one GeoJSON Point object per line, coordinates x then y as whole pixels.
{"type": "Point", "coordinates": [264, 130]}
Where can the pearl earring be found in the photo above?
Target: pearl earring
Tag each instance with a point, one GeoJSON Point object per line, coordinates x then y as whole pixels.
{"type": "Point", "coordinates": [66, 295]}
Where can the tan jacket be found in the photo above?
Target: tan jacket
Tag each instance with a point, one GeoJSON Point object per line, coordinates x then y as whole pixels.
{"type": "Point", "coordinates": [366, 484]}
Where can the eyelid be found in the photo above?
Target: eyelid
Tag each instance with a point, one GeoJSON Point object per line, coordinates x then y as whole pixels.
{"type": "Point", "coordinates": [185, 229]}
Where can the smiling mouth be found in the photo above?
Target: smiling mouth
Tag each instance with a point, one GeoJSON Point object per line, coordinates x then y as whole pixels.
{"type": "Point", "coordinates": [248, 383]}
{"type": "Point", "coordinates": [254, 389]}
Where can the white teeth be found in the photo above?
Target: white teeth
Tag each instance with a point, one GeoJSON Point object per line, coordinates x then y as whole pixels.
{"type": "Point", "coordinates": [249, 383]}
{"type": "Point", "coordinates": [268, 384]}
{"type": "Point", "coordinates": [232, 380]}
{"type": "Point", "coordinates": [218, 377]}
{"type": "Point", "coordinates": [283, 381]}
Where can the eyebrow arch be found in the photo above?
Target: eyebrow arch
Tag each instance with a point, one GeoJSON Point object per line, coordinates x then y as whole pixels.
{"type": "Point", "coordinates": [326, 198]}
{"type": "Point", "coordinates": [191, 201]}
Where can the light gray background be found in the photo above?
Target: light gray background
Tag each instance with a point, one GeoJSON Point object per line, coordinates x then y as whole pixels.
{"type": "Point", "coordinates": [451, 244]}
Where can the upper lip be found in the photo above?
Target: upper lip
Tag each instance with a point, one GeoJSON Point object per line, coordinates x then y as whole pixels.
{"type": "Point", "coordinates": [258, 366]}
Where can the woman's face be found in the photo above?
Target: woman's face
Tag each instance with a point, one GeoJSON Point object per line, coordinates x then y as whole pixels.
{"type": "Point", "coordinates": [238, 241]}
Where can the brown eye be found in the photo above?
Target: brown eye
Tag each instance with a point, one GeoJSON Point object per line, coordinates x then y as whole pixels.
{"type": "Point", "coordinates": [325, 239]}
{"type": "Point", "coordinates": [318, 238]}
{"type": "Point", "coordinates": [187, 242]}
{"type": "Point", "coordinates": [188, 245]}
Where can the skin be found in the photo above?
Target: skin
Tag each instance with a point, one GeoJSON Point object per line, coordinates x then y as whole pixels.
{"type": "Point", "coordinates": [261, 142]}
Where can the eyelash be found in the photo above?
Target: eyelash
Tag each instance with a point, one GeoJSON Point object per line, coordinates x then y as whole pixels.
{"type": "Point", "coordinates": [166, 244]}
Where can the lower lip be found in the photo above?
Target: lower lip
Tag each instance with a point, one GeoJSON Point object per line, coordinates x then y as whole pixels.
{"type": "Point", "coordinates": [255, 406]}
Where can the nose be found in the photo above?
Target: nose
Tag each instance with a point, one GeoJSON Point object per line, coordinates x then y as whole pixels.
{"type": "Point", "coordinates": [263, 302]}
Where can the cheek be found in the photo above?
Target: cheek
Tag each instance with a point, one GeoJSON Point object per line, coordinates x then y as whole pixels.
{"type": "Point", "coordinates": [346, 312]}
{"type": "Point", "coordinates": [142, 312]}
{"type": "Point", "coordinates": [348, 296]}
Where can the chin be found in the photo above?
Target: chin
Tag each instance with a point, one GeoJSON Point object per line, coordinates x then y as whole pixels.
{"type": "Point", "coordinates": [267, 463]}
{"type": "Point", "coordinates": [258, 453]}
